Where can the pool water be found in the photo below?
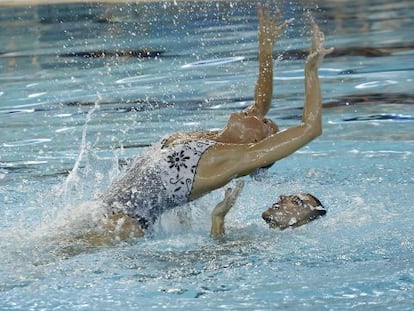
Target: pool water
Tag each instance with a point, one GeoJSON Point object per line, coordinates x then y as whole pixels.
{"type": "Point", "coordinates": [85, 87]}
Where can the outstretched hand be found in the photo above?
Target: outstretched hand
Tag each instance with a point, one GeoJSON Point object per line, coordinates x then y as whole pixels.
{"type": "Point", "coordinates": [230, 197]}
{"type": "Point", "coordinates": [269, 30]}
{"type": "Point", "coordinates": [318, 50]}
{"type": "Point", "coordinates": [221, 210]}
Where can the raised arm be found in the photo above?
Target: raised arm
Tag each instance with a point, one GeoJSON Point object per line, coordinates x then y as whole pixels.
{"type": "Point", "coordinates": [268, 31]}
{"type": "Point", "coordinates": [312, 111]}
{"type": "Point", "coordinates": [221, 209]}
{"type": "Point", "coordinates": [288, 141]}
{"type": "Point", "coordinates": [223, 162]}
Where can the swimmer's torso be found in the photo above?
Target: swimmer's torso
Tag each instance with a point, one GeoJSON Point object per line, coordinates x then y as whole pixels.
{"type": "Point", "coordinates": [158, 180]}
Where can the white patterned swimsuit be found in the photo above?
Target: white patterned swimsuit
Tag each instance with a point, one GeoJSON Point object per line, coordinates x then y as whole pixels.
{"type": "Point", "coordinates": [159, 180]}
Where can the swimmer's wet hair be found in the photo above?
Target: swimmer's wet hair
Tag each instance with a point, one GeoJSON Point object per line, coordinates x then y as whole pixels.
{"type": "Point", "coordinates": [321, 211]}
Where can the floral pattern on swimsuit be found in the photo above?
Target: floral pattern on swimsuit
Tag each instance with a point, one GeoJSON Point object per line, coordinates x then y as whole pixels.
{"type": "Point", "coordinates": [158, 180]}
{"type": "Point", "coordinates": [179, 166]}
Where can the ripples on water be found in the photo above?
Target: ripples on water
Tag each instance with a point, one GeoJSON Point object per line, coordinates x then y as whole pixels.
{"type": "Point", "coordinates": [85, 87]}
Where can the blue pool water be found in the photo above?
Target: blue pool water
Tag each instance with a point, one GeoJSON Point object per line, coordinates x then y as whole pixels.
{"type": "Point", "coordinates": [62, 110]}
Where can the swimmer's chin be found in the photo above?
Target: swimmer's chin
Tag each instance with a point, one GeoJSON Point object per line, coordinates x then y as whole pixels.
{"type": "Point", "coordinates": [273, 225]}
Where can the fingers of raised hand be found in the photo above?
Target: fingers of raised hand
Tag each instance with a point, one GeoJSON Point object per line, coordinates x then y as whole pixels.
{"type": "Point", "coordinates": [263, 11]}
{"type": "Point", "coordinates": [267, 23]}
{"type": "Point", "coordinates": [277, 29]}
{"type": "Point", "coordinates": [240, 184]}
{"type": "Point", "coordinates": [327, 51]}
{"type": "Point", "coordinates": [318, 37]}
{"type": "Point", "coordinates": [260, 13]}
{"type": "Point", "coordinates": [285, 23]}
{"type": "Point", "coordinates": [230, 195]}
{"type": "Point", "coordinates": [238, 188]}
{"type": "Point", "coordinates": [263, 14]}
{"type": "Point", "coordinates": [228, 192]}
{"type": "Point", "coordinates": [316, 57]}
{"type": "Point", "coordinates": [318, 42]}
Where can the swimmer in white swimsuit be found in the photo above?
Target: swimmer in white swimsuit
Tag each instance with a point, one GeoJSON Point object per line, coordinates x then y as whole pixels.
{"type": "Point", "coordinates": [186, 166]}
{"type": "Point", "coordinates": [157, 181]}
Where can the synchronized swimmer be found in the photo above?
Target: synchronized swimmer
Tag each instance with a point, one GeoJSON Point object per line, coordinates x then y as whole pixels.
{"type": "Point", "coordinates": [185, 166]}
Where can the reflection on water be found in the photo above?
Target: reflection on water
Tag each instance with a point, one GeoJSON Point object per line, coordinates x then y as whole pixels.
{"type": "Point", "coordinates": [84, 87]}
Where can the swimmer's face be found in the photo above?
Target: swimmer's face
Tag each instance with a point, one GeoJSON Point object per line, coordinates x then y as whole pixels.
{"type": "Point", "coordinates": [293, 211]}
{"type": "Point", "coordinates": [245, 128]}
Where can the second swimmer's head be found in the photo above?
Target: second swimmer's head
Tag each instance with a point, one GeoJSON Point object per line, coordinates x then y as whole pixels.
{"type": "Point", "coordinates": [293, 211]}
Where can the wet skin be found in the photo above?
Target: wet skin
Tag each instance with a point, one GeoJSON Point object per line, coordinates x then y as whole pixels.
{"type": "Point", "coordinates": [293, 211]}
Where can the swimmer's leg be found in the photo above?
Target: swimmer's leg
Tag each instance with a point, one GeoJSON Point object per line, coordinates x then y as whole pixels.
{"type": "Point", "coordinates": [122, 227]}
{"type": "Point", "coordinates": [221, 209]}
{"type": "Point", "coordinates": [115, 228]}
